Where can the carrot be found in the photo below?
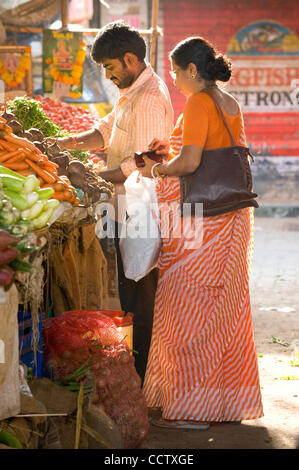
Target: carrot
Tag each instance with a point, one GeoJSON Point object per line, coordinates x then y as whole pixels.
{"type": "Point", "coordinates": [45, 175]}
{"type": "Point", "coordinates": [26, 172]}
{"type": "Point", "coordinates": [49, 163]}
{"type": "Point", "coordinates": [77, 202]}
{"type": "Point", "coordinates": [20, 156]}
{"type": "Point", "coordinates": [49, 166]}
{"type": "Point", "coordinates": [64, 178]}
{"type": "Point", "coordinates": [58, 186]}
{"type": "Point", "coordinates": [60, 196]}
{"type": "Point", "coordinates": [16, 165]}
{"type": "Point", "coordinates": [21, 142]}
{"type": "Point", "coordinates": [8, 155]}
{"type": "Point", "coordinates": [2, 120]}
{"type": "Point", "coordinates": [32, 155]}
{"type": "Point", "coordinates": [7, 129]}
{"type": "Point", "coordinates": [41, 181]}
{"type": "Point", "coordinates": [9, 146]}
{"type": "Point", "coordinates": [72, 198]}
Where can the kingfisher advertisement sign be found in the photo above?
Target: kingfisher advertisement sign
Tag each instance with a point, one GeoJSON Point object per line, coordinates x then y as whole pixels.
{"type": "Point", "coordinates": [265, 59]}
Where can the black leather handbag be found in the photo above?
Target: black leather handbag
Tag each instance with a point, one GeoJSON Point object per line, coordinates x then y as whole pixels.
{"type": "Point", "coordinates": [223, 180]}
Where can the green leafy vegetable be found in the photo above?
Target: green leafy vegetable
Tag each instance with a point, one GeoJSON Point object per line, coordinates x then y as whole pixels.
{"type": "Point", "coordinates": [30, 114]}
{"type": "Point", "coordinates": [81, 155]}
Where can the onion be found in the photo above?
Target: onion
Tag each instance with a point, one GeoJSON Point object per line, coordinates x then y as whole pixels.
{"type": "Point", "coordinates": [106, 372]}
{"type": "Point", "coordinates": [102, 394]}
{"type": "Point", "coordinates": [116, 395]}
{"type": "Point", "coordinates": [8, 116]}
{"type": "Point", "coordinates": [101, 382]}
{"type": "Point", "coordinates": [39, 145]}
{"type": "Point", "coordinates": [17, 128]}
{"type": "Point", "coordinates": [108, 405]}
{"type": "Point", "coordinates": [75, 166]}
{"type": "Point", "coordinates": [124, 357]}
{"type": "Point", "coordinates": [37, 134]}
{"type": "Point", "coordinates": [66, 354]}
{"type": "Point", "coordinates": [135, 382]}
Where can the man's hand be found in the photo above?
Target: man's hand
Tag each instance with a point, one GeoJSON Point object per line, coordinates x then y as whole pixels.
{"type": "Point", "coordinates": [87, 140]}
{"type": "Point", "coordinates": [115, 175]}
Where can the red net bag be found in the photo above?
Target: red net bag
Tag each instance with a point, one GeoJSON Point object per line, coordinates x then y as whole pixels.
{"type": "Point", "coordinates": [81, 337]}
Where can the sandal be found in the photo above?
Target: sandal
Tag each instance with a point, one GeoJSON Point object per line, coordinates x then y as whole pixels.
{"type": "Point", "coordinates": [180, 424]}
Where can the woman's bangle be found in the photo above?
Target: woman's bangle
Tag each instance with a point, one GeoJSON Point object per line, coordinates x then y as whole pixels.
{"type": "Point", "coordinates": [155, 171]}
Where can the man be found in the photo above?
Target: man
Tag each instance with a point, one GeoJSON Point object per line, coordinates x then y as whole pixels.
{"type": "Point", "coordinates": [143, 111]}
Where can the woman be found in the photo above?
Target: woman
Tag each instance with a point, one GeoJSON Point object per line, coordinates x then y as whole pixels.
{"type": "Point", "coordinates": [202, 364]}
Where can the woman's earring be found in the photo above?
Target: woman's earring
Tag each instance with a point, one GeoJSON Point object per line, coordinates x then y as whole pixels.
{"type": "Point", "coordinates": [193, 76]}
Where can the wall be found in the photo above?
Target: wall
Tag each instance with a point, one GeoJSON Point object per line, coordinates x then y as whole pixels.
{"type": "Point", "coordinates": [264, 77]}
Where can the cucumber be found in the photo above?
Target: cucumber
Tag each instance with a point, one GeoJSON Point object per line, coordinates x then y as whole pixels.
{"type": "Point", "coordinates": [10, 440]}
{"type": "Point", "coordinates": [12, 183]}
{"type": "Point", "coordinates": [7, 171]}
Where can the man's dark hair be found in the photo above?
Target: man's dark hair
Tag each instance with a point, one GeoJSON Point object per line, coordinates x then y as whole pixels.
{"type": "Point", "coordinates": [114, 40]}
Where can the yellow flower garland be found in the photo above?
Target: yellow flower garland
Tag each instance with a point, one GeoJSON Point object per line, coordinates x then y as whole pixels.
{"type": "Point", "coordinates": [14, 79]}
{"type": "Point", "coordinates": [76, 71]}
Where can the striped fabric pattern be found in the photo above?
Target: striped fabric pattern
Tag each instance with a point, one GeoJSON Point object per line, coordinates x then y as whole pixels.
{"type": "Point", "coordinates": [142, 112]}
{"type": "Point", "coordinates": [202, 363]}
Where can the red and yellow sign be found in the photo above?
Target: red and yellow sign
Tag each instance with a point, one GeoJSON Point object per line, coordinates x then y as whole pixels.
{"type": "Point", "coordinates": [265, 59]}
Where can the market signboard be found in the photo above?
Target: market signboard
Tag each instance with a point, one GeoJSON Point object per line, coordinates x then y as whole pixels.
{"type": "Point", "coordinates": [265, 59]}
{"type": "Point", "coordinates": [63, 58]}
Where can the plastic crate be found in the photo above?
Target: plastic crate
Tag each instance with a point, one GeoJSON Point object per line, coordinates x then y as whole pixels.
{"type": "Point", "coordinates": [22, 316]}
{"type": "Point", "coordinates": [25, 335]}
{"type": "Point", "coordinates": [25, 343]}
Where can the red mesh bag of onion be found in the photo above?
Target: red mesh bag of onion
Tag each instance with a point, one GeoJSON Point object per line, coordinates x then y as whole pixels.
{"type": "Point", "coordinates": [92, 339]}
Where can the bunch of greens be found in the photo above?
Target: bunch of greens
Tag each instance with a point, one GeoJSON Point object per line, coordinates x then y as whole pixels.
{"type": "Point", "coordinates": [72, 382]}
{"type": "Point", "coordinates": [81, 155]}
{"type": "Point", "coordinates": [30, 114]}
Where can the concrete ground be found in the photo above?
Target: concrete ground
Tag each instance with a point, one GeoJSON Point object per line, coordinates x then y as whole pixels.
{"type": "Point", "coordinates": [275, 308]}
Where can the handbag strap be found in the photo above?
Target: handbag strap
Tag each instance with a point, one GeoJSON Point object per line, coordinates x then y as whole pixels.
{"type": "Point", "coordinates": [233, 142]}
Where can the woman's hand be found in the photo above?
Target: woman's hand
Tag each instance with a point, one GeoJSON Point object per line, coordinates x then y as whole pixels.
{"type": "Point", "coordinates": [147, 169]}
{"type": "Point", "coordinates": [161, 147]}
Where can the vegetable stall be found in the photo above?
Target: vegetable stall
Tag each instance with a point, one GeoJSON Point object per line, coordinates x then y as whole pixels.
{"type": "Point", "coordinates": [50, 252]}
{"type": "Point", "coordinates": [63, 355]}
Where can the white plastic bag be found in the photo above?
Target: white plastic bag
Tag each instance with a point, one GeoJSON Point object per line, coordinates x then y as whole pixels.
{"type": "Point", "coordinates": [140, 240]}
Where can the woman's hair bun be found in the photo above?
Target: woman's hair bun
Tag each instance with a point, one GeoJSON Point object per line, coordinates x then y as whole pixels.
{"type": "Point", "coordinates": [219, 69]}
{"type": "Point", "coordinates": [210, 64]}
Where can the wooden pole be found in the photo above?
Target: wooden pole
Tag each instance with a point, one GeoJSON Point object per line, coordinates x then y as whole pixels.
{"type": "Point", "coordinates": [90, 31]}
{"type": "Point", "coordinates": [64, 14]}
{"type": "Point", "coordinates": [155, 10]}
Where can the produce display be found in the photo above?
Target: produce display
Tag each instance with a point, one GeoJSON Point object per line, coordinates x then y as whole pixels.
{"type": "Point", "coordinates": [68, 170]}
{"type": "Point", "coordinates": [23, 156]}
{"type": "Point", "coordinates": [80, 345]}
{"type": "Point", "coordinates": [29, 113]}
{"type": "Point", "coordinates": [24, 208]}
{"type": "Point", "coordinates": [73, 119]}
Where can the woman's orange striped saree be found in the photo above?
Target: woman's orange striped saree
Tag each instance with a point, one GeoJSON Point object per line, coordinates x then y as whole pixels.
{"type": "Point", "coordinates": [202, 362]}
